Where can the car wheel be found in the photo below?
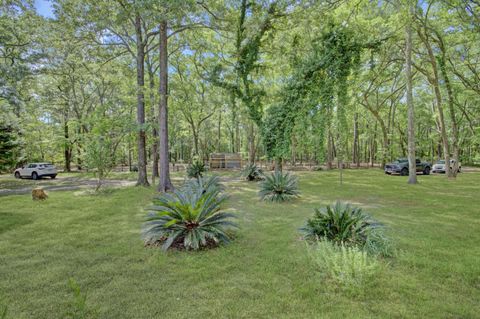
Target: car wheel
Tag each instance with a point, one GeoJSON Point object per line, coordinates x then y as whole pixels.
{"type": "Point", "coordinates": [404, 171]}
{"type": "Point", "coordinates": [17, 175]}
{"type": "Point", "coordinates": [53, 176]}
{"type": "Point", "coordinates": [34, 175]}
{"type": "Point", "coordinates": [426, 171]}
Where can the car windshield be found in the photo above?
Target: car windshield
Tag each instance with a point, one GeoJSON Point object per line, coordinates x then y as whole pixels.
{"type": "Point", "coordinates": [400, 160]}
{"type": "Point", "coordinates": [441, 162]}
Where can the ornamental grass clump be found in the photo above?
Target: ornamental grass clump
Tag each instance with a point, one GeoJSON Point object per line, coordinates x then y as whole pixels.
{"type": "Point", "coordinates": [190, 218]}
{"type": "Point", "coordinates": [279, 187]}
{"type": "Point", "coordinates": [344, 224]}
{"type": "Point", "coordinates": [348, 266]}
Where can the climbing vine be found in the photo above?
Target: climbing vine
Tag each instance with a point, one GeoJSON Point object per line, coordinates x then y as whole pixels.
{"type": "Point", "coordinates": [318, 88]}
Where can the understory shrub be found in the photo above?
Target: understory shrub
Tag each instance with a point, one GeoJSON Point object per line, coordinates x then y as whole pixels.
{"type": "Point", "coordinates": [196, 169]}
{"type": "Point", "coordinates": [344, 224]}
{"type": "Point", "coordinates": [252, 172]}
{"type": "Point", "coordinates": [190, 218]}
{"type": "Point", "coordinates": [279, 187]}
{"type": "Point", "coordinates": [346, 265]}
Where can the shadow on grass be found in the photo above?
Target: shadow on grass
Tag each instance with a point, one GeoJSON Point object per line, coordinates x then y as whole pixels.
{"type": "Point", "coordinates": [9, 221]}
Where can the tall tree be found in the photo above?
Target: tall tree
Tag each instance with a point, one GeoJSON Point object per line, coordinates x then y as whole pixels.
{"type": "Point", "coordinates": [412, 166]}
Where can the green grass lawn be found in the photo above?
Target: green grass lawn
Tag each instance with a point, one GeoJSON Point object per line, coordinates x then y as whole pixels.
{"type": "Point", "coordinates": [264, 273]}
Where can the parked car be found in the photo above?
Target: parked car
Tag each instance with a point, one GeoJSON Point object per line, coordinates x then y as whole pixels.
{"type": "Point", "coordinates": [36, 171]}
{"type": "Point", "coordinates": [400, 166]}
{"type": "Point", "coordinates": [439, 166]}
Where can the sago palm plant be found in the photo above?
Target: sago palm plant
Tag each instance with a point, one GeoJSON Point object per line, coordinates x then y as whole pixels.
{"type": "Point", "coordinates": [196, 169]}
{"type": "Point", "coordinates": [279, 187]}
{"type": "Point", "coordinates": [189, 218]}
{"type": "Point", "coordinates": [251, 172]}
{"type": "Point", "coordinates": [344, 224]}
{"type": "Point", "coordinates": [204, 184]}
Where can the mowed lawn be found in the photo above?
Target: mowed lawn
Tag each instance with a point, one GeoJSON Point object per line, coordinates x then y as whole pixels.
{"type": "Point", "coordinates": [264, 273]}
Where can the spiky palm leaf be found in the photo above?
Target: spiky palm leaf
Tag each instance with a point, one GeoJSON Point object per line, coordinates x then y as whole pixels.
{"type": "Point", "coordinates": [191, 217]}
{"type": "Point", "coordinates": [204, 184]}
{"type": "Point", "coordinates": [196, 169]}
{"type": "Point", "coordinates": [343, 223]}
{"type": "Point", "coordinates": [279, 187]}
{"type": "Point", "coordinates": [251, 172]}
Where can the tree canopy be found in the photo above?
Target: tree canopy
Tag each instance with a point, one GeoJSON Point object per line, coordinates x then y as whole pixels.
{"type": "Point", "coordinates": [146, 84]}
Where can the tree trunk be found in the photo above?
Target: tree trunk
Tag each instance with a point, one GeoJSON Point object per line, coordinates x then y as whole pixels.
{"type": "Point", "coordinates": [438, 98]}
{"type": "Point", "coordinates": [451, 106]}
{"type": "Point", "coordinates": [251, 143]}
{"type": "Point", "coordinates": [412, 166]}
{"type": "Point", "coordinates": [232, 122]}
{"type": "Point", "coordinates": [68, 148]}
{"type": "Point", "coordinates": [356, 147]}
{"type": "Point", "coordinates": [219, 132]}
{"type": "Point", "coordinates": [329, 151]}
{"type": "Point", "coordinates": [153, 121]}
{"type": "Point", "coordinates": [195, 140]}
{"type": "Point", "coordinates": [79, 157]}
{"type": "Point", "coordinates": [142, 150]}
{"type": "Point", "coordinates": [384, 129]}
{"type": "Point", "coordinates": [164, 183]}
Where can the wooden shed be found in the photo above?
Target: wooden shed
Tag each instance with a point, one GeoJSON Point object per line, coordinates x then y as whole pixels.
{"type": "Point", "coordinates": [225, 160]}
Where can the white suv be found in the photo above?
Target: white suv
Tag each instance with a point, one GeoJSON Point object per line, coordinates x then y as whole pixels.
{"type": "Point", "coordinates": [36, 171]}
{"type": "Point", "coordinates": [439, 167]}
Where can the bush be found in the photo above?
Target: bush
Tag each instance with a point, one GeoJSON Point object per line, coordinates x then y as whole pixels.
{"type": "Point", "coordinates": [252, 173]}
{"type": "Point", "coordinates": [196, 169]}
{"type": "Point", "coordinates": [348, 266]}
{"type": "Point", "coordinates": [190, 218]}
{"type": "Point", "coordinates": [279, 187]}
{"type": "Point", "coordinates": [344, 224]}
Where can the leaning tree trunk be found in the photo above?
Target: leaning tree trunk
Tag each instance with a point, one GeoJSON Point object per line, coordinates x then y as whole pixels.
{"type": "Point", "coordinates": [451, 107]}
{"type": "Point", "coordinates": [438, 98]}
{"type": "Point", "coordinates": [412, 166]}
{"type": "Point", "coordinates": [142, 150]}
{"type": "Point", "coordinates": [164, 183]}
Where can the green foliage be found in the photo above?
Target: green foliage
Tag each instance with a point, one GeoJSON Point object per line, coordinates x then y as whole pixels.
{"type": "Point", "coordinates": [196, 169]}
{"type": "Point", "coordinates": [204, 185]}
{"type": "Point", "coordinates": [319, 84]}
{"type": "Point", "coordinates": [100, 157]}
{"type": "Point", "coordinates": [191, 218]}
{"type": "Point", "coordinates": [279, 187]}
{"type": "Point", "coordinates": [348, 225]}
{"type": "Point", "coordinates": [9, 146]}
{"type": "Point", "coordinates": [348, 266]}
{"type": "Point", "coordinates": [251, 172]}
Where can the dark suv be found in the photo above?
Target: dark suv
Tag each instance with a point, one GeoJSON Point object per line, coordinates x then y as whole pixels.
{"type": "Point", "coordinates": [400, 166]}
